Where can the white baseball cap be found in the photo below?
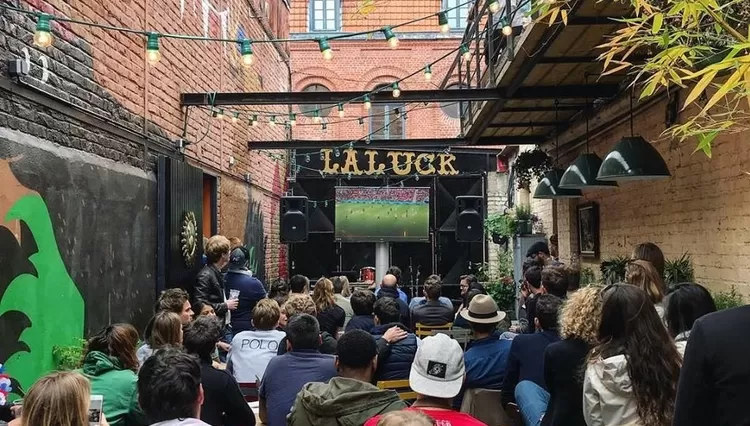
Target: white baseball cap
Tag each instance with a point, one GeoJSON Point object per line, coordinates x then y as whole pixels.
{"type": "Point", "coordinates": [438, 368]}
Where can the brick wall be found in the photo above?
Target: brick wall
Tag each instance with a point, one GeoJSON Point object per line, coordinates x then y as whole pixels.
{"type": "Point", "coordinates": [105, 72]}
{"type": "Point", "coordinates": [701, 209]}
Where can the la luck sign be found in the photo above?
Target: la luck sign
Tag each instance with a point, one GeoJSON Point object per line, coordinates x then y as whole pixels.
{"type": "Point", "coordinates": [400, 163]}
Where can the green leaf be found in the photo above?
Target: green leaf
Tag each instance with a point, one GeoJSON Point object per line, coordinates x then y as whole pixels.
{"type": "Point", "coordinates": [704, 142]}
{"type": "Point", "coordinates": [658, 22]}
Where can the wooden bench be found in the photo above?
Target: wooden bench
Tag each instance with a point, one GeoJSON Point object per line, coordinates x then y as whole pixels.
{"type": "Point", "coordinates": [401, 387]}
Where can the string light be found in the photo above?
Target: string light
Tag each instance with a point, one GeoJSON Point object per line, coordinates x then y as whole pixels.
{"type": "Point", "coordinates": [325, 126]}
{"type": "Point", "coordinates": [43, 33]}
{"type": "Point", "coordinates": [465, 52]}
{"type": "Point", "coordinates": [246, 50]}
{"type": "Point", "coordinates": [325, 48]}
{"type": "Point", "coordinates": [351, 145]}
{"type": "Point", "coordinates": [368, 104]}
{"type": "Point", "coordinates": [322, 155]}
{"type": "Point", "coordinates": [325, 203]}
{"type": "Point", "coordinates": [336, 152]}
{"type": "Point", "coordinates": [494, 6]}
{"type": "Point", "coordinates": [235, 117]}
{"type": "Point", "coordinates": [361, 121]}
{"type": "Point", "coordinates": [396, 90]}
{"type": "Point", "coordinates": [153, 56]}
{"type": "Point", "coordinates": [218, 114]}
{"type": "Point", "coordinates": [272, 121]}
{"type": "Point", "coordinates": [507, 29]}
{"type": "Point", "coordinates": [443, 22]}
{"type": "Point", "coordinates": [341, 111]}
{"type": "Point", "coordinates": [316, 116]}
{"type": "Point", "coordinates": [427, 72]}
{"type": "Point", "coordinates": [348, 176]}
{"type": "Point", "coordinates": [367, 140]}
{"type": "Point", "coordinates": [416, 177]}
{"type": "Point", "coordinates": [390, 37]}
{"type": "Point", "coordinates": [307, 158]}
{"type": "Point", "coordinates": [254, 121]}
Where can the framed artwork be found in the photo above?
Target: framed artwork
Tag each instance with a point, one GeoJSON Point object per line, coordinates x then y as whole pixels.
{"type": "Point", "coordinates": [588, 230]}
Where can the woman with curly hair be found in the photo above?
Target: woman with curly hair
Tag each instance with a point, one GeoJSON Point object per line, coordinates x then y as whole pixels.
{"type": "Point", "coordinates": [330, 315]}
{"type": "Point", "coordinates": [631, 375]}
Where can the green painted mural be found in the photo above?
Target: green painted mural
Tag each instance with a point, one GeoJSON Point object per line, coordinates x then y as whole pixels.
{"type": "Point", "coordinates": [50, 300]}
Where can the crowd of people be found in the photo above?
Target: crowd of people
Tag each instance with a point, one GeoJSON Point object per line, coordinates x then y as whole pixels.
{"type": "Point", "coordinates": [382, 195]}
{"type": "Point", "coordinates": [632, 353]}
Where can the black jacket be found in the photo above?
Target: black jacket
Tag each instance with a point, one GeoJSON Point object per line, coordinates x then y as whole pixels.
{"type": "Point", "coordinates": [431, 312]}
{"type": "Point", "coordinates": [398, 364]}
{"type": "Point", "coordinates": [563, 375]}
{"type": "Point", "coordinates": [209, 289]}
{"type": "Point", "coordinates": [526, 361]}
{"type": "Point", "coordinates": [713, 387]}
{"type": "Point", "coordinates": [223, 403]}
{"type": "Point", "coordinates": [361, 322]}
{"type": "Point", "coordinates": [403, 308]}
{"type": "Point", "coordinates": [328, 345]}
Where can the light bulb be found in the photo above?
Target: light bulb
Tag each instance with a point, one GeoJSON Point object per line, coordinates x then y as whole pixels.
{"type": "Point", "coordinates": [507, 30]}
{"type": "Point", "coordinates": [325, 48]}
{"type": "Point", "coordinates": [272, 121]}
{"type": "Point", "coordinates": [43, 33]}
{"type": "Point", "coordinates": [427, 72]}
{"type": "Point", "coordinates": [316, 117]}
{"type": "Point", "coordinates": [292, 119]}
{"type": "Point", "coordinates": [219, 114]}
{"type": "Point", "coordinates": [254, 121]}
{"type": "Point", "coordinates": [153, 56]}
{"type": "Point", "coordinates": [396, 91]}
{"type": "Point", "coordinates": [443, 22]}
{"type": "Point", "coordinates": [235, 117]}
{"type": "Point", "coordinates": [341, 111]}
{"type": "Point", "coordinates": [246, 50]}
{"type": "Point", "coordinates": [465, 52]}
{"type": "Point", "coordinates": [368, 104]}
{"type": "Point", "coordinates": [390, 37]}
{"type": "Point", "coordinates": [307, 158]}
{"type": "Point", "coordinates": [494, 6]}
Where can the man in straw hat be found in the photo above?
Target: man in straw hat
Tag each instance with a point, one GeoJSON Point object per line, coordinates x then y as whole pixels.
{"type": "Point", "coordinates": [486, 358]}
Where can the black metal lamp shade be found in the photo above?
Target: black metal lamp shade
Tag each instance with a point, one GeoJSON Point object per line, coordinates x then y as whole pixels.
{"type": "Point", "coordinates": [633, 158]}
{"type": "Point", "coordinates": [548, 187]}
{"type": "Point", "coordinates": [582, 174]}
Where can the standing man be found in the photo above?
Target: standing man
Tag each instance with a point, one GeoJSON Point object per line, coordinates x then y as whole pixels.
{"type": "Point", "coordinates": [248, 289]}
{"type": "Point", "coordinates": [209, 287]}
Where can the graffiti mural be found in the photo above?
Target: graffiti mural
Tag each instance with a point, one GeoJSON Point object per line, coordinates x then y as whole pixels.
{"type": "Point", "coordinates": [77, 250]}
{"type": "Point", "coordinates": [255, 238]}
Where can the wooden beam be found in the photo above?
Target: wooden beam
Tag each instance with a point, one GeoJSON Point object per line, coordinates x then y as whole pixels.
{"type": "Point", "coordinates": [526, 124]}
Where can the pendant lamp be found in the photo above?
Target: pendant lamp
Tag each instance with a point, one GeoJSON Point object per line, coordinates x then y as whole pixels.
{"type": "Point", "coordinates": [582, 173]}
{"type": "Point", "coordinates": [549, 186]}
{"type": "Point", "coordinates": [633, 158]}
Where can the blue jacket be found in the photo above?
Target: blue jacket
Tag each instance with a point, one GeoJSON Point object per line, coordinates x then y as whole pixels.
{"type": "Point", "coordinates": [401, 294]}
{"type": "Point", "coordinates": [485, 363]}
{"type": "Point", "coordinates": [526, 361]}
{"type": "Point", "coordinates": [398, 365]}
{"type": "Point", "coordinates": [403, 307]}
{"type": "Point", "coordinates": [361, 322]}
{"type": "Point", "coordinates": [251, 291]}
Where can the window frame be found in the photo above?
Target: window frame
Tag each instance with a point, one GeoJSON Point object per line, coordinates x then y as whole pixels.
{"type": "Point", "coordinates": [454, 15]}
{"type": "Point", "coordinates": [336, 16]}
{"type": "Point", "coordinates": [387, 110]}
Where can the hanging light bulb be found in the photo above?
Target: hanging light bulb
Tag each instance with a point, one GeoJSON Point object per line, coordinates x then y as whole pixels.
{"type": "Point", "coordinates": [396, 91]}
{"type": "Point", "coordinates": [351, 145]}
{"type": "Point", "coordinates": [348, 176]}
{"type": "Point", "coordinates": [272, 121]}
{"type": "Point", "coordinates": [153, 56]}
{"type": "Point", "coordinates": [427, 72]}
{"type": "Point", "coordinates": [307, 158]}
{"type": "Point", "coordinates": [254, 121]}
{"type": "Point", "coordinates": [235, 117]}
{"type": "Point", "coordinates": [368, 104]}
{"type": "Point", "coordinates": [390, 37]}
{"type": "Point", "coordinates": [494, 6]}
{"type": "Point", "coordinates": [367, 140]}
{"type": "Point", "coordinates": [246, 50]}
{"type": "Point", "coordinates": [292, 119]}
{"type": "Point", "coordinates": [465, 52]}
{"type": "Point", "coordinates": [361, 121]}
{"type": "Point", "coordinates": [218, 113]}
{"type": "Point", "coordinates": [336, 152]}
{"type": "Point", "coordinates": [316, 116]}
{"type": "Point", "coordinates": [325, 126]}
{"type": "Point", "coordinates": [43, 33]}
{"type": "Point", "coordinates": [325, 48]}
{"type": "Point", "coordinates": [443, 22]}
{"type": "Point", "coordinates": [341, 111]}
{"type": "Point", "coordinates": [322, 155]}
{"type": "Point", "coordinates": [507, 29]}
{"type": "Point", "coordinates": [416, 177]}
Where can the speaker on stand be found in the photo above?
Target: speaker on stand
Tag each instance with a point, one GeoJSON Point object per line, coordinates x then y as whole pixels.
{"type": "Point", "coordinates": [293, 220]}
{"type": "Point", "coordinates": [469, 218]}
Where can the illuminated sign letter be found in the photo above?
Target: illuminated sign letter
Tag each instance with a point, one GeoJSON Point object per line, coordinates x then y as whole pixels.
{"type": "Point", "coordinates": [401, 168]}
{"type": "Point", "coordinates": [327, 167]}
{"type": "Point", "coordinates": [350, 165]}
{"type": "Point", "coordinates": [446, 164]}
{"type": "Point", "coordinates": [371, 162]}
{"type": "Point", "coordinates": [428, 159]}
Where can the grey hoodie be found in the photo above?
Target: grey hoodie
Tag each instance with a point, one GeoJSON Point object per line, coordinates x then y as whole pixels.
{"type": "Point", "coordinates": [341, 401]}
{"type": "Point", "coordinates": [608, 398]}
{"type": "Point", "coordinates": [181, 422]}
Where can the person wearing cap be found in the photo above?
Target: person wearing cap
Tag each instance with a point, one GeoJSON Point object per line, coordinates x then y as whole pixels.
{"type": "Point", "coordinates": [526, 358]}
{"type": "Point", "coordinates": [249, 290]}
{"type": "Point", "coordinates": [437, 376]}
{"type": "Point", "coordinates": [486, 358]}
{"type": "Point", "coordinates": [539, 252]}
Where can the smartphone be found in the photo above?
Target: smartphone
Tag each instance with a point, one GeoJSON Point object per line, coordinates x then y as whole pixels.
{"type": "Point", "coordinates": [95, 410]}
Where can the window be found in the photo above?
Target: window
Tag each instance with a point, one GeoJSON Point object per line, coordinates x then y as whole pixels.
{"type": "Point", "coordinates": [454, 109]}
{"type": "Point", "coordinates": [308, 110]}
{"type": "Point", "coordinates": [457, 16]}
{"type": "Point", "coordinates": [387, 121]}
{"type": "Point", "coordinates": [325, 15]}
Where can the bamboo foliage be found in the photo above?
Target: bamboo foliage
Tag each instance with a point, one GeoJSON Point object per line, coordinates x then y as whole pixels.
{"type": "Point", "coordinates": [702, 46]}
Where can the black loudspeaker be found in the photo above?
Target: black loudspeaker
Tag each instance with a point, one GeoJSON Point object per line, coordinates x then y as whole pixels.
{"type": "Point", "coordinates": [469, 218]}
{"type": "Point", "coordinates": [293, 220]}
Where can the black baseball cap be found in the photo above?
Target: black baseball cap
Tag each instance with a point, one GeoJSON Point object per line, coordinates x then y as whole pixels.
{"type": "Point", "coordinates": [539, 246]}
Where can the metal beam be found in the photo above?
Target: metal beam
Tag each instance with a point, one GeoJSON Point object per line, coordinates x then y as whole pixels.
{"type": "Point", "coordinates": [594, 20]}
{"type": "Point", "coordinates": [543, 108]}
{"type": "Point", "coordinates": [436, 144]}
{"type": "Point", "coordinates": [526, 124]}
{"type": "Point", "coordinates": [312, 98]}
{"type": "Point", "coordinates": [510, 140]}
{"type": "Point", "coordinates": [577, 91]}
{"type": "Point", "coordinates": [568, 59]}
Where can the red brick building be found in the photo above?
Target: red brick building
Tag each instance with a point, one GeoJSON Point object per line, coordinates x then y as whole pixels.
{"type": "Point", "coordinates": [365, 63]}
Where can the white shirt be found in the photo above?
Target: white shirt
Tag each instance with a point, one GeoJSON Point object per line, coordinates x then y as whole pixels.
{"type": "Point", "coordinates": [251, 351]}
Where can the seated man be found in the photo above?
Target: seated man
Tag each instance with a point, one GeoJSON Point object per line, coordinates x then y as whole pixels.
{"type": "Point", "coordinates": [395, 271]}
{"type": "Point", "coordinates": [488, 354]}
{"type": "Point", "coordinates": [363, 302]}
{"type": "Point", "coordinates": [432, 312]}
{"type": "Point", "coordinates": [437, 376]}
{"type": "Point", "coordinates": [223, 403]}
{"type": "Point", "coordinates": [338, 287]}
{"type": "Point", "coordinates": [169, 389]}
{"type": "Point", "coordinates": [349, 398]}
{"type": "Point", "coordinates": [304, 304]}
{"type": "Point", "coordinates": [388, 289]}
{"type": "Point", "coordinates": [420, 300]}
{"type": "Point", "coordinates": [398, 364]}
{"type": "Point", "coordinates": [252, 350]}
{"type": "Point", "coordinates": [286, 374]}
{"type": "Point", "coordinates": [526, 358]}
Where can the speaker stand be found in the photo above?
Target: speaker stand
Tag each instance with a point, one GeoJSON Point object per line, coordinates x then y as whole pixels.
{"type": "Point", "coordinates": [382, 260]}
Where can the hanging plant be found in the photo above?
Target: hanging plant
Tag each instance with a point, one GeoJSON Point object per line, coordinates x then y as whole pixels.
{"type": "Point", "coordinates": [531, 165]}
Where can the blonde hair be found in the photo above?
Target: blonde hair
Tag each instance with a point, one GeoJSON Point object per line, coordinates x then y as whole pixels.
{"type": "Point", "coordinates": [217, 246]}
{"type": "Point", "coordinates": [299, 304]}
{"type": "Point", "coordinates": [406, 418]}
{"type": "Point", "coordinates": [58, 399]}
{"type": "Point", "coordinates": [323, 294]}
{"type": "Point", "coordinates": [266, 314]}
{"type": "Point", "coordinates": [581, 314]}
{"type": "Point", "coordinates": [234, 242]}
{"type": "Point", "coordinates": [166, 330]}
{"type": "Point", "coordinates": [643, 274]}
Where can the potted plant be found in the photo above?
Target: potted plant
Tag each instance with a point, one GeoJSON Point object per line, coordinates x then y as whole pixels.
{"type": "Point", "coordinates": [728, 299]}
{"type": "Point", "coordinates": [69, 357]}
{"type": "Point", "coordinates": [678, 271]}
{"type": "Point", "coordinates": [501, 227]}
{"type": "Point", "coordinates": [530, 165]}
{"type": "Point", "coordinates": [613, 269]}
{"type": "Point", "coordinates": [587, 277]}
{"type": "Point", "coordinates": [524, 224]}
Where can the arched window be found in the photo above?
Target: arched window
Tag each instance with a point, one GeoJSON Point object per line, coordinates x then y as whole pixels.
{"type": "Point", "coordinates": [309, 109]}
{"type": "Point", "coordinates": [387, 120]}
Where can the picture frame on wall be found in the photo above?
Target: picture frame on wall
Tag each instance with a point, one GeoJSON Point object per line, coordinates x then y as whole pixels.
{"type": "Point", "coordinates": [588, 230]}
